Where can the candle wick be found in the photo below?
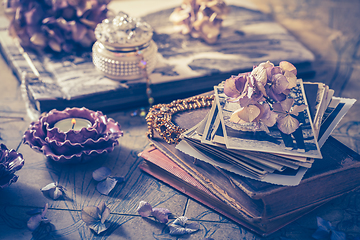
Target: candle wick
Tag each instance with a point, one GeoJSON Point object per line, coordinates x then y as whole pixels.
{"type": "Point", "coordinates": [73, 121]}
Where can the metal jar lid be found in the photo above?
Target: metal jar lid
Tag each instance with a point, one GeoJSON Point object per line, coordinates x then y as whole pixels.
{"type": "Point", "coordinates": [123, 31]}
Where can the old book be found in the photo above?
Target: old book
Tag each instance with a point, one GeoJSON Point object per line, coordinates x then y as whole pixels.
{"type": "Point", "coordinates": [259, 206]}
{"type": "Point", "coordinates": [182, 61]}
{"type": "Point", "coordinates": [161, 167]}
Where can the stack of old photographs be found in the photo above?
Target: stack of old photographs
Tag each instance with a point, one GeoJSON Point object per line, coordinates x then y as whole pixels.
{"type": "Point", "coordinates": [267, 155]}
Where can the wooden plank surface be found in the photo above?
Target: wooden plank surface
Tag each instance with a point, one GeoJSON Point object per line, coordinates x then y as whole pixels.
{"type": "Point", "coordinates": [328, 28]}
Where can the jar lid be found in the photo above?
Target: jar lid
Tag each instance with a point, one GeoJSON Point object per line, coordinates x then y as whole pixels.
{"type": "Point", "coordinates": [123, 31]}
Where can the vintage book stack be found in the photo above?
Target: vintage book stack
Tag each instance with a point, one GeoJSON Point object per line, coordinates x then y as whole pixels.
{"type": "Point", "coordinates": [261, 153]}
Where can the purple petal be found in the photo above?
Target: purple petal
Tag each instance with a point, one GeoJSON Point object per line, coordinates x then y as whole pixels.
{"type": "Point", "coordinates": [235, 85]}
{"type": "Point", "coordinates": [279, 83]}
{"type": "Point", "coordinates": [105, 215]}
{"type": "Point", "coordinates": [101, 173]}
{"type": "Point", "coordinates": [144, 209]}
{"type": "Point", "coordinates": [161, 214]}
{"type": "Point", "coordinates": [106, 186]}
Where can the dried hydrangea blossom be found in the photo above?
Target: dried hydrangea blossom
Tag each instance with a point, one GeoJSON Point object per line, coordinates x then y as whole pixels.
{"type": "Point", "coordinates": [60, 26]}
{"type": "Point", "coordinates": [262, 97]}
{"type": "Point", "coordinates": [200, 18]}
{"type": "Point", "coordinates": [10, 162]}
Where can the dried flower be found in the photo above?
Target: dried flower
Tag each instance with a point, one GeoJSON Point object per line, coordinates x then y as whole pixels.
{"type": "Point", "coordinates": [95, 217]}
{"type": "Point", "coordinates": [59, 26]}
{"type": "Point", "coordinates": [325, 230]}
{"type": "Point", "coordinates": [180, 226]}
{"type": "Point", "coordinates": [262, 96]}
{"type": "Point", "coordinates": [54, 191]}
{"type": "Point", "coordinates": [106, 182]}
{"type": "Point", "coordinates": [200, 18]}
{"type": "Point", "coordinates": [37, 218]}
{"type": "Point", "coordinates": [10, 162]}
{"type": "Point", "coordinates": [161, 214]}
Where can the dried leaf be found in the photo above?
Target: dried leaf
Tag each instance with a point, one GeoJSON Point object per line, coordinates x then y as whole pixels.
{"type": "Point", "coordinates": [105, 187]}
{"type": "Point", "coordinates": [180, 226]}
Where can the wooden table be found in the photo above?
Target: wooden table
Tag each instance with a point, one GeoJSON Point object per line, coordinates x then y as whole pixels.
{"type": "Point", "coordinates": [328, 28]}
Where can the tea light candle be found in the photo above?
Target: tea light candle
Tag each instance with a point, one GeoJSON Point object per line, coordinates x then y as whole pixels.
{"type": "Point", "coordinates": [72, 124]}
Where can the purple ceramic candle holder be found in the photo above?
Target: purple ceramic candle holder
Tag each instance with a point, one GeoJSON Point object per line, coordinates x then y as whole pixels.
{"type": "Point", "coordinates": [10, 162]}
{"type": "Point", "coordinates": [73, 146]}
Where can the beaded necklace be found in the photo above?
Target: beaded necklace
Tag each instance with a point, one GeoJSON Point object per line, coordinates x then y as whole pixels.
{"type": "Point", "coordinates": [160, 115]}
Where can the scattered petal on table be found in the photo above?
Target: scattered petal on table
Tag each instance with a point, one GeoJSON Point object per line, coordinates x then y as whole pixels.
{"type": "Point", "coordinates": [161, 214]}
{"type": "Point", "coordinates": [36, 219]}
{"type": "Point", "coordinates": [144, 209]}
{"type": "Point", "coordinates": [105, 187]}
{"type": "Point", "coordinates": [101, 173]}
{"type": "Point", "coordinates": [180, 227]}
{"type": "Point", "coordinates": [95, 217]}
{"type": "Point", "coordinates": [53, 191]}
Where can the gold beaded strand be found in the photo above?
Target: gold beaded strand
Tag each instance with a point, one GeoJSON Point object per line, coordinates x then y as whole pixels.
{"type": "Point", "coordinates": [159, 116]}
